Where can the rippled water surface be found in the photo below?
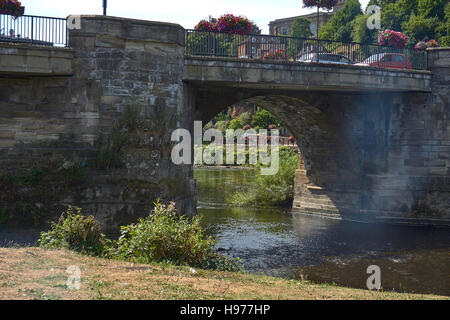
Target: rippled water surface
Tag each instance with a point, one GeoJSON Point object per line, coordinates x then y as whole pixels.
{"type": "Point", "coordinates": [278, 242]}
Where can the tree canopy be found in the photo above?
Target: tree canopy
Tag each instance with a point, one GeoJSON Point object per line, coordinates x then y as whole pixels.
{"type": "Point", "coordinates": [301, 28]}
{"type": "Point", "coordinates": [418, 19]}
{"type": "Point", "coordinates": [339, 27]}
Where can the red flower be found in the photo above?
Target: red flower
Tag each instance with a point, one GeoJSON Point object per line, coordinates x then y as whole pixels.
{"type": "Point", "coordinates": [227, 23]}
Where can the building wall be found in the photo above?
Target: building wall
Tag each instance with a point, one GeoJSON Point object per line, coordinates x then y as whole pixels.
{"type": "Point", "coordinates": [283, 26]}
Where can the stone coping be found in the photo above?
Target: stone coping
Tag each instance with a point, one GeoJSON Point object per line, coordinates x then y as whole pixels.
{"type": "Point", "coordinates": [298, 63]}
{"type": "Point", "coordinates": [128, 20]}
{"type": "Point", "coordinates": [16, 45]}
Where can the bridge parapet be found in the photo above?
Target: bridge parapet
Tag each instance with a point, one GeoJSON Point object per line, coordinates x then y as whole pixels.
{"type": "Point", "coordinates": [303, 76]}
{"type": "Point", "coordinates": [26, 59]}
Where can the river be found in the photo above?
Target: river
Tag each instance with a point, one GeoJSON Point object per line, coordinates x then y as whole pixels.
{"type": "Point", "coordinates": [280, 243]}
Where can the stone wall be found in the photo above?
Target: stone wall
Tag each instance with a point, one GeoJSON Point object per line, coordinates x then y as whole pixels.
{"type": "Point", "coordinates": [402, 141]}
{"type": "Point", "coordinates": [99, 139]}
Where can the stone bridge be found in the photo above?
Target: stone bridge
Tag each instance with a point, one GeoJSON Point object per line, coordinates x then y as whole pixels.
{"type": "Point", "coordinates": [90, 125]}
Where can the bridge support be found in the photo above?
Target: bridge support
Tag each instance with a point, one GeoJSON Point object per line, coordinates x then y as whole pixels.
{"type": "Point", "coordinates": [100, 139]}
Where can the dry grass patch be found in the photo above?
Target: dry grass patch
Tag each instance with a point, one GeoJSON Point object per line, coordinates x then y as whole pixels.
{"type": "Point", "coordinates": [36, 273]}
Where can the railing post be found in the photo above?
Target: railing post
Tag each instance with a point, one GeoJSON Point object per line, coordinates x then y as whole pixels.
{"type": "Point", "coordinates": [32, 29]}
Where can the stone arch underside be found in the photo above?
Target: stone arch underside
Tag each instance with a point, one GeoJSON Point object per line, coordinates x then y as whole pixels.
{"type": "Point", "coordinates": [342, 138]}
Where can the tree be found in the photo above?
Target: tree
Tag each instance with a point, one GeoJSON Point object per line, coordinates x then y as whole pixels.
{"type": "Point", "coordinates": [432, 8]}
{"type": "Point", "coordinates": [327, 4]}
{"type": "Point", "coordinates": [360, 32]}
{"type": "Point", "coordinates": [244, 118]}
{"type": "Point", "coordinates": [419, 27]}
{"type": "Point", "coordinates": [340, 27]}
{"type": "Point", "coordinates": [444, 28]}
{"type": "Point", "coordinates": [235, 124]}
{"type": "Point", "coordinates": [301, 28]}
{"type": "Point", "coordinates": [262, 119]}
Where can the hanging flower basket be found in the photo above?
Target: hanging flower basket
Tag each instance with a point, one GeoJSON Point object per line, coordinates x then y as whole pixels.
{"type": "Point", "coordinates": [227, 23]}
{"type": "Point", "coordinates": [392, 38]}
{"type": "Point", "coordinates": [11, 7]}
{"type": "Point", "coordinates": [326, 4]}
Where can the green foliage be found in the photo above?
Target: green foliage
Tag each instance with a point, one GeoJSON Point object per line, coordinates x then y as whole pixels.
{"type": "Point", "coordinates": [235, 124]}
{"type": "Point", "coordinates": [360, 32]}
{"type": "Point", "coordinates": [245, 118]}
{"type": "Point", "coordinates": [222, 125]}
{"type": "Point", "coordinates": [301, 28]}
{"type": "Point", "coordinates": [272, 190]}
{"type": "Point", "coordinates": [339, 27]}
{"type": "Point", "coordinates": [394, 14]}
{"type": "Point", "coordinates": [166, 237]}
{"type": "Point", "coordinates": [432, 8]}
{"type": "Point", "coordinates": [75, 232]}
{"type": "Point", "coordinates": [33, 178]}
{"type": "Point", "coordinates": [211, 43]}
{"type": "Point", "coordinates": [419, 27]}
{"type": "Point", "coordinates": [262, 119]}
{"type": "Point", "coordinates": [223, 116]}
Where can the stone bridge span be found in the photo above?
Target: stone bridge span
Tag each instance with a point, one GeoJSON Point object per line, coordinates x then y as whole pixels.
{"type": "Point", "coordinates": [91, 126]}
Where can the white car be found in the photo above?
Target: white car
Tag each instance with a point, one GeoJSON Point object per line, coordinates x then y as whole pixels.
{"type": "Point", "coordinates": [324, 57]}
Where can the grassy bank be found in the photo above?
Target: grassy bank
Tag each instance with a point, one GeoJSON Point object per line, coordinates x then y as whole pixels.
{"type": "Point", "coordinates": [37, 273]}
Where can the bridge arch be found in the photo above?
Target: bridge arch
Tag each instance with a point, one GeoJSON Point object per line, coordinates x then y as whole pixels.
{"type": "Point", "coordinates": [341, 137]}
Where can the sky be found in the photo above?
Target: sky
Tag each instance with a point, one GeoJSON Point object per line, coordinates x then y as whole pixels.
{"type": "Point", "coordinates": [185, 13]}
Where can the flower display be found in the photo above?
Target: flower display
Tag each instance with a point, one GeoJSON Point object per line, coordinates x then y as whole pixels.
{"type": "Point", "coordinates": [227, 23]}
{"type": "Point", "coordinates": [326, 4]}
{"type": "Point", "coordinates": [11, 7]}
{"type": "Point", "coordinates": [392, 38]}
{"type": "Point", "coordinates": [275, 55]}
{"type": "Point", "coordinates": [422, 45]}
{"type": "Point", "coordinates": [204, 25]}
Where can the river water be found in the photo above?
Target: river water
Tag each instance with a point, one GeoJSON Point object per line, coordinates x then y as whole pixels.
{"type": "Point", "coordinates": [280, 243]}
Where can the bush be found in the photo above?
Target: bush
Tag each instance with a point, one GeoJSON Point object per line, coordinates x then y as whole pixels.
{"type": "Point", "coordinates": [166, 237]}
{"type": "Point", "coordinates": [262, 119]}
{"type": "Point", "coordinates": [274, 190]}
{"type": "Point", "coordinates": [235, 124]}
{"type": "Point", "coordinates": [75, 232]}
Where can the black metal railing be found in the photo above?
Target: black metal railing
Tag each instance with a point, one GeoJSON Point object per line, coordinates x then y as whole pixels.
{"type": "Point", "coordinates": [267, 47]}
{"type": "Point", "coordinates": [46, 31]}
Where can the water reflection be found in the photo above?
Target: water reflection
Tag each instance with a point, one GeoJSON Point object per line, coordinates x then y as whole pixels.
{"type": "Point", "coordinates": [276, 242]}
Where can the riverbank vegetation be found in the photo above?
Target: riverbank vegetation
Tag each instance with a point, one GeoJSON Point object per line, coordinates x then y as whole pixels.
{"type": "Point", "coordinates": [272, 190]}
{"type": "Point", "coordinates": [40, 274]}
{"type": "Point", "coordinates": [162, 237]}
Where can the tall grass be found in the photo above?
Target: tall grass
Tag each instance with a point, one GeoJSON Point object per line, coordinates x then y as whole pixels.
{"type": "Point", "coordinates": [271, 190]}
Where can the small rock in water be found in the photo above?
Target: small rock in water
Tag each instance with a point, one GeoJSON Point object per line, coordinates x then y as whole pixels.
{"type": "Point", "coordinates": [192, 271]}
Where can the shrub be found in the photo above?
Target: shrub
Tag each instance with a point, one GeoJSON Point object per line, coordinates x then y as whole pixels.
{"type": "Point", "coordinates": [262, 119]}
{"type": "Point", "coordinates": [75, 232]}
{"type": "Point", "coordinates": [235, 124]}
{"type": "Point", "coordinates": [274, 190]}
{"type": "Point", "coordinates": [166, 237]}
